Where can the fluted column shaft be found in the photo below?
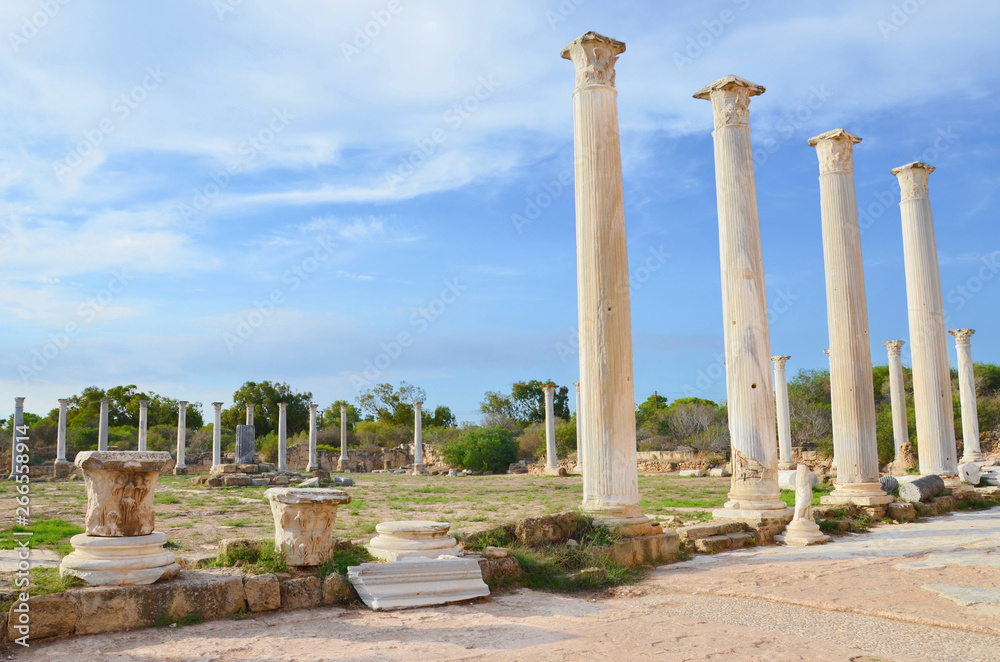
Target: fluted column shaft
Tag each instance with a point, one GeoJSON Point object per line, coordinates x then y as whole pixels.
{"type": "Point", "coordinates": [61, 433]}
{"type": "Point", "coordinates": [418, 434]}
{"type": "Point", "coordinates": [250, 408]}
{"type": "Point", "coordinates": [18, 433]}
{"type": "Point", "coordinates": [181, 466]}
{"type": "Point", "coordinates": [102, 426]}
{"type": "Point", "coordinates": [343, 432]}
{"type": "Point", "coordinates": [897, 396]}
{"type": "Point", "coordinates": [283, 437]}
{"type": "Point", "coordinates": [579, 430]}
{"type": "Point", "coordinates": [550, 427]}
{"type": "Point", "coordinates": [607, 406]}
{"type": "Point", "coordinates": [217, 434]}
{"type": "Point", "coordinates": [313, 459]}
{"type": "Point", "coordinates": [967, 394]}
{"type": "Point", "coordinates": [928, 344]}
{"type": "Point", "coordinates": [785, 460]}
{"type": "Point", "coordinates": [749, 391]}
{"type": "Point", "coordinates": [852, 394]}
{"type": "Point", "coordinates": [143, 423]}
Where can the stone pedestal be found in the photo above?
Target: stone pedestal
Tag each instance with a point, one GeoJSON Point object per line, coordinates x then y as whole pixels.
{"type": "Point", "coordinates": [120, 546]}
{"type": "Point", "coordinates": [313, 457]}
{"type": "Point", "coordinates": [607, 407]}
{"type": "Point", "coordinates": [785, 461]}
{"type": "Point", "coordinates": [928, 338]}
{"type": "Point", "coordinates": [853, 405]}
{"type": "Point", "coordinates": [971, 451]}
{"type": "Point", "coordinates": [181, 467]}
{"type": "Point", "coordinates": [401, 540]}
{"type": "Point", "coordinates": [303, 522]}
{"type": "Point", "coordinates": [749, 391]}
{"type": "Point", "coordinates": [245, 450]}
{"type": "Point", "coordinates": [897, 396]}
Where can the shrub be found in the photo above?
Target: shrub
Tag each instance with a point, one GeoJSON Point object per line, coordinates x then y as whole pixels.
{"type": "Point", "coordinates": [482, 449]}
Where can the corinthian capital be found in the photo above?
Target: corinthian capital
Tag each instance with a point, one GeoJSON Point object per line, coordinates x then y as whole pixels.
{"type": "Point", "coordinates": [913, 180]}
{"type": "Point", "coordinates": [594, 56]}
{"type": "Point", "coordinates": [894, 346]}
{"type": "Point", "coordinates": [835, 150]}
{"type": "Point", "coordinates": [730, 97]}
{"type": "Point", "coordinates": [962, 336]}
{"type": "Point", "coordinates": [779, 361]}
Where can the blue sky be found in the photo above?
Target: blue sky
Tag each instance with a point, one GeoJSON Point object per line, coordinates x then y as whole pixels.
{"type": "Point", "coordinates": [198, 193]}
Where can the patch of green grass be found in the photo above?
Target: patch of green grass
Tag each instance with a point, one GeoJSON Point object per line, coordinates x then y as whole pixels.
{"type": "Point", "coordinates": [46, 533]}
{"type": "Point", "coordinates": [165, 619]}
{"type": "Point", "coordinates": [256, 559]}
{"type": "Point", "coordinates": [498, 537]}
{"type": "Point", "coordinates": [975, 503]}
{"type": "Point", "coordinates": [553, 569]}
{"type": "Point", "coordinates": [829, 526]}
{"type": "Point", "coordinates": [235, 522]}
{"type": "Point", "coordinates": [432, 490]}
{"type": "Point", "coordinates": [343, 559]}
{"type": "Point", "coordinates": [821, 490]}
{"type": "Point", "coordinates": [861, 523]}
{"type": "Point", "coordinates": [165, 498]}
{"type": "Point", "coordinates": [170, 544]}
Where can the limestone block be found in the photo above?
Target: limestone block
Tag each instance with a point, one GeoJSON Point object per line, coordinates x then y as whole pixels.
{"type": "Point", "coordinates": [303, 522]}
{"type": "Point", "coordinates": [944, 504]}
{"type": "Point", "coordinates": [691, 473]}
{"type": "Point", "coordinates": [119, 561]}
{"type": "Point", "coordinates": [225, 469]}
{"type": "Point", "coordinates": [311, 482]}
{"type": "Point", "coordinates": [263, 592]}
{"type": "Point", "coordinates": [417, 582]}
{"type": "Point", "coordinates": [280, 480]}
{"type": "Point", "coordinates": [496, 552]}
{"type": "Point", "coordinates": [260, 482]}
{"type": "Point", "coordinates": [51, 615]}
{"type": "Point", "coordinates": [120, 489]}
{"type": "Point", "coordinates": [500, 572]}
{"type": "Point", "coordinates": [337, 590]}
{"type": "Point", "coordinates": [697, 531]}
{"type": "Point", "coordinates": [236, 480]}
{"type": "Point", "coordinates": [399, 540]}
{"type": "Point", "coordinates": [970, 473]}
{"type": "Point", "coordinates": [901, 511]}
{"type": "Point", "coordinates": [301, 593]}
{"type": "Point", "coordinates": [215, 481]}
{"type": "Point", "coordinates": [343, 482]}
{"type": "Point", "coordinates": [719, 472]}
{"type": "Point", "coordinates": [786, 479]}
{"type": "Point", "coordinates": [266, 467]}
{"type": "Point", "coordinates": [546, 530]}
{"type": "Point", "coordinates": [248, 467]}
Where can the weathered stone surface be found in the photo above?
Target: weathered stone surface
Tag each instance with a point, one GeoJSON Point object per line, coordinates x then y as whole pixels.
{"type": "Point", "coordinates": [944, 504]}
{"type": "Point", "coordinates": [301, 592]}
{"type": "Point", "coordinates": [337, 590]}
{"type": "Point", "coordinates": [921, 489]}
{"type": "Point", "coordinates": [311, 482]}
{"type": "Point", "coordinates": [901, 511]}
{"type": "Point", "coordinates": [696, 531]}
{"type": "Point", "coordinates": [236, 480]}
{"type": "Point", "coordinates": [248, 467]}
{"type": "Point", "coordinates": [260, 482]}
{"type": "Point", "coordinates": [502, 552]}
{"type": "Point", "coordinates": [263, 592]}
{"type": "Point", "coordinates": [228, 546]}
{"type": "Point", "coordinates": [970, 473]}
{"type": "Point", "coordinates": [691, 473]}
{"type": "Point", "coordinates": [119, 560]}
{"type": "Point", "coordinates": [280, 481]}
{"type": "Point", "coordinates": [120, 489]}
{"type": "Point", "coordinates": [51, 615]}
{"type": "Point", "coordinates": [418, 582]}
{"type": "Point", "coordinates": [245, 444]}
{"type": "Point", "coordinates": [225, 469]}
{"type": "Point", "coordinates": [719, 472]}
{"type": "Point", "coordinates": [214, 482]}
{"type": "Point", "coordinates": [303, 522]}
{"type": "Point", "coordinates": [803, 530]}
{"type": "Point", "coordinates": [399, 540]}
{"type": "Point", "coordinates": [546, 530]}
{"type": "Point", "coordinates": [500, 571]}
{"type": "Point", "coordinates": [889, 484]}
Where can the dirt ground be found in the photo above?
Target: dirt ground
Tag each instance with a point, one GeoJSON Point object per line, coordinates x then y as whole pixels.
{"type": "Point", "coordinates": [914, 592]}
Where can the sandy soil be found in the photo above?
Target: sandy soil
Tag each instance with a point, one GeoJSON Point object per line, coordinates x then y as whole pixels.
{"type": "Point", "coordinates": [926, 591]}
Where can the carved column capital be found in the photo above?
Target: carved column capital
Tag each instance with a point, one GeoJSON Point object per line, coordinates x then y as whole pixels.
{"type": "Point", "coordinates": [144, 404]}
{"type": "Point", "coordinates": [594, 57]}
{"type": "Point", "coordinates": [894, 346]}
{"type": "Point", "coordinates": [962, 336]}
{"type": "Point", "coordinates": [835, 150]}
{"type": "Point", "coordinates": [730, 97]}
{"type": "Point", "coordinates": [217, 405]}
{"type": "Point", "coordinates": [779, 361]}
{"type": "Point", "coordinates": [63, 402]}
{"type": "Point", "coordinates": [913, 180]}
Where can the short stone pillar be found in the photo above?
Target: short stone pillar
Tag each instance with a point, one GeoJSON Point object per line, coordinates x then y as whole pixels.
{"type": "Point", "coordinates": [967, 393]}
{"type": "Point", "coordinates": [246, 450]}
{"type": "Point", "coordinates": [181, 467]}
{"type": "Point", "coordinates": [120, 546]}
{"type": "Point", "coordinates": [785, 461]}
{"type": "Point", "coordinates": [303, 522]}
{"type": "Point", "coordinates": [102, 426]}
{"type": "Point", "coordinates": [551, 461]}
{"type": "Point", "coordinates": [313, 457]}
{"type": "Point", "coordinates": [283, 437]}
{"type": "Point", "coordinates": [897, 397]}
{"type": "Point", "coordinates": [418, 440]}
{"type": "Point", "coordinates": [749, 392]}
{"type": "Point", "coordinates": [143, 423]}
{"type": "Point", "coordinates": [607, 410]}
{"type": "Point", "coordinates": [342, 460]}
{"type": "Point", "coordinates": [61, 468]}
{"type": "Point", "coordinates": [216, 434]}
{"type": "Point", "coordinates": [250, 408]}
{"type": "Point", "coordinates": [928, 338]}
{"type": "Point", "coordinates": [803, 530]}
{"type": "Point", "coordinates": [419, 539]}
{"type": "Point", "coordinates": [18, 457]}
{"type": "Point", "coordinates": [852, 403]}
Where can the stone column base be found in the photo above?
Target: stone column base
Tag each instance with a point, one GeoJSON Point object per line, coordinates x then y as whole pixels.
{"type": "Point", "coordinates": [341, 463]}
{"type": "Point", "coordinates": [858, 494]}
{"type": "Point", "coordinates": [180, 471]}
{"type": "Point", "coordinates": [420, 470]}
{"type": "Point", "coordinates": [752, 515]}
{"type": "Point", "coordinates": [802, 532]}
{"type": "Point", "coordinates": [120, 561]}
{"type": "Point", "coordinates": [578, 470]}
{"type": "Point", "coordinates": [554, 471]}
{"type": "Point", "coordinates": [976, 457]}
{"type": "Point", "coordinates": [630, 526]}
{"type": "Point", "coordinates": [62, 469]}
{"type": "Point", "coordinates": [952, 482]}
{"type": "Point", "coordinates": [419, 539]}
{"type": "Point", "coordinates": [787, 465]}
{"type": "Point", "coordinates": [311, 468]}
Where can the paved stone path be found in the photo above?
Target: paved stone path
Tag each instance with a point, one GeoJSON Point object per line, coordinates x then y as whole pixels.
{"type": "Point", "coordinates": [925, 591]}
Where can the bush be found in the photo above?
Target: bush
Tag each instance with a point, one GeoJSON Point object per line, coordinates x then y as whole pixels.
{"type": "Point", "coordinates": [482, 449]}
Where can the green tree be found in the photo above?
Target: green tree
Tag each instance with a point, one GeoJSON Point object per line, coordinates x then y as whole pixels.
{"type": "Point", "coordinates": [331, 415]}
{"type": "Point", "coordinates": [524, 405]}
{"type": "Point", "coordinates": [266, 395]}
{"type": "Point", "coordinates": [645, 411]}
{"type": "Point", "coordinates": [386, 404]}
{"type": "Point", "coordinates": [482, 449]}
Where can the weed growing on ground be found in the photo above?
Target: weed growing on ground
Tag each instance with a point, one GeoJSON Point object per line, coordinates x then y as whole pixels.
{"type": "Point", "coordinates": [254, 559]}
{"type": "Point", "coordinates": [48, 533]}
{"type": "Point", "coordinates": [343, 559]}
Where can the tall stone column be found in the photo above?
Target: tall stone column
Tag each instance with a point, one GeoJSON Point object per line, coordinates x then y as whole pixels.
{"type": "Point", "coordinates": [282, 437]}
{"type": "Point", "coordinates": [342, 462]}
{"type": "Point", "coordinates": [579, 432]}
{"type": "Point", "coordinates": [61, 434]}
{"type": "Point", "coordinates": [897, 396]}
{"type": "Point", "coordinates": [551, 464]}
{"type": "Point", "coordinates": [181, 467]}
{"type": "Point", "coordinates": [17, 436]}
{"type": "Point", "coordinates": [785, 461]}
{"type": "Point", "coordinates": [313, 458]}
{"type": "Point", "coordinates": [250, 408]}
{"type": "Point", "coordinates": [967, 393]}
{"type": "Point", "coordinates": [143, 423]}
{"type": "Point", "coordinates": [851, 392]}
{"type": "Point", "coordinates": [833, 464]}
{"type": "Point", "coordinates": [418, 439]}
{"type": "Point", "coordinates": [610, 473]}
{"type": "Point", "coordinates": [217, 434]}
{"type": "Point", "coordinates": [936, 451]}
{"type": "Point", "coordinates": [749, 392]}
{"type": "Point", "coordinates": [102, 426]}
